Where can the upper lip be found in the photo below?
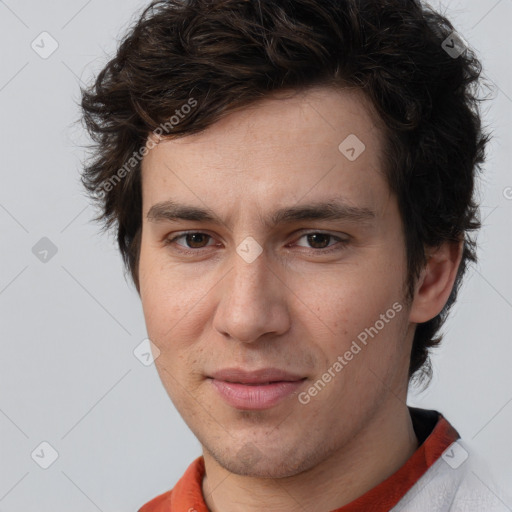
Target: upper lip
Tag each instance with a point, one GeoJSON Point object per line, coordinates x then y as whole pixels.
{"type": "Point", "coordinates": [261, 376]}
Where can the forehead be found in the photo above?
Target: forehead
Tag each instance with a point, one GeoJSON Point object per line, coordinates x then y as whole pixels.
{"type": "Point", "coordinates": [277, 150]}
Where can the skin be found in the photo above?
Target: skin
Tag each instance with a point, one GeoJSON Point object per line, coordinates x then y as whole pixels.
{"type": "Point", "coordinates": [296, 307]}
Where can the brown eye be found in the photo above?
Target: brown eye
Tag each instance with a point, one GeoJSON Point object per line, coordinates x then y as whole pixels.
{"type": "Point", "coordinates": [196, 240]}
{"type": "Point", "coordinates": [192, 241]}
{"type": "Point", "coordinates": [322, 243]}
{"type": "Point", "coordinates": [319, 240]}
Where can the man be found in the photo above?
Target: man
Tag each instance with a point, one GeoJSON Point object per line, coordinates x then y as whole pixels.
{"type": "Point", "coordinates": [292, 187]}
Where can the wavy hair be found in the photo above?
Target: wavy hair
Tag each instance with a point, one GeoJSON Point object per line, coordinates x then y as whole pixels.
{"type": "Point", "coordinates": [227, 54]}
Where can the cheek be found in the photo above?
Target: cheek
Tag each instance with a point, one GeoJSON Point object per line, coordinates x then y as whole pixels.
{"type": "Point", "coordinates": [161, 297]}
{"type": "Point", "coordinates": [169, 311]}
{"type": "Point", "coordinates": [175, 309]}
{"type": "Point", "coordinates": [351, 298]}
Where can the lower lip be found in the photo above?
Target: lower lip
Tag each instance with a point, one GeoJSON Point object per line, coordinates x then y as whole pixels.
{"type": "Point", "coordinates": [243, 396]}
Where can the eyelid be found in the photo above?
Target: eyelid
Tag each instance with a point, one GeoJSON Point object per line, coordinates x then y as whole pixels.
{"type": "Point", "coordinates": [341, 239]}
{"type": "Point", "coordinates": [305, 232]}
{"type": "Point", "coordinates": [181, 234]}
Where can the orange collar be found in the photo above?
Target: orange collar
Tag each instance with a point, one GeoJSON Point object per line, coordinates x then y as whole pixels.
{"type": "Point", "coordinates": [187, 494]}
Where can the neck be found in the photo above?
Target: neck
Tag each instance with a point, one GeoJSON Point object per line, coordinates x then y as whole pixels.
{"type": "Point", "coordinates": [377, 452]}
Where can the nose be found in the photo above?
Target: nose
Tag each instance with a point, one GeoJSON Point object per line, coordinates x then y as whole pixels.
{"type": "Point", "coordinates": [252, 301]}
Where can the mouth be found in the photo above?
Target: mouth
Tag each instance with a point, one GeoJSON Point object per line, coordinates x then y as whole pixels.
{"type": "Point", "coordinates": [255, 390]}
{"type": "Point", "coordinates": [255, 377]}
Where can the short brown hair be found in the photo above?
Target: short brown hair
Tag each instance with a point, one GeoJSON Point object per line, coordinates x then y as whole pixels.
{"type": "Point", "coordinates": [227, 54]}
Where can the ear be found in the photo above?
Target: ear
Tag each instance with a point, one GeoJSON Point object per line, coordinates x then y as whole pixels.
{"type": "Point", "coordinates": [436, 281]}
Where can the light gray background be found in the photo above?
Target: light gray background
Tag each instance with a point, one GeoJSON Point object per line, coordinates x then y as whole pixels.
{"type": "Point", "coordinates": [68, 326]}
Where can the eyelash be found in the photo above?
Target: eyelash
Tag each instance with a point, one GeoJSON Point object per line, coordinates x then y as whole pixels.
{"type": "Point", "coordinates": [330, 248]}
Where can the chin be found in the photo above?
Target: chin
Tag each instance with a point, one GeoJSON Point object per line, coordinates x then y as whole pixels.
{"type": "Point", "coordinates": [257, 462]}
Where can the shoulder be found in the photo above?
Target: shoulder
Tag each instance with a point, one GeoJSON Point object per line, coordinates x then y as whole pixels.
{"type": "Point", "coordinates": [458, 481]}
{"type": "Point", "coordinates": [186, 495]}
{"type": "Point", "coordinates": [159, 504]}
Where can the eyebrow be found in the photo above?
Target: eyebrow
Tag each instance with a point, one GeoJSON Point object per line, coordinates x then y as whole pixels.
{"type": "Point", "coordinates": [329, 210]}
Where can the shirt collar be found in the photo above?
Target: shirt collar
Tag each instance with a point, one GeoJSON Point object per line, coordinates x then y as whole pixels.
{"type": "Point", "coordinates": [435, 434]}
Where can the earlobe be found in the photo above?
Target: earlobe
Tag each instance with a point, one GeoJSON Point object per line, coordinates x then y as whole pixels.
{"type": "Point", "coordinates": [436, 281]}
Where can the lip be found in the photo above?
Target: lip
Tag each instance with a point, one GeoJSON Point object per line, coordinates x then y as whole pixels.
{"type": "Point", "coordinates": [257, 389]}
{"type": "Point", "coordinates": [261, 376]}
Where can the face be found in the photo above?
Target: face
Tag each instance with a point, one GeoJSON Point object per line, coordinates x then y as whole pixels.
{"type": "Point", "coordinates": [272, 273]}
